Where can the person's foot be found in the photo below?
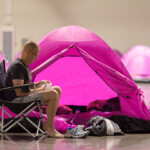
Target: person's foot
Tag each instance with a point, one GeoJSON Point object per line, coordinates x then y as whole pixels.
{"type": "Point", "coordinates": [53, 133]}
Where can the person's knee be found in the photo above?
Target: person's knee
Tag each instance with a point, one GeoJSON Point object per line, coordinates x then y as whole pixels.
{"type": "Point", "coordinates": [58, 89]}
{"type": "Point", "coordinates": [50, 94]}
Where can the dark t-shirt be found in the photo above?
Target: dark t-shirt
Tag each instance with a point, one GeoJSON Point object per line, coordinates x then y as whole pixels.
{"type": "Point", "coordinates": [16, 70]}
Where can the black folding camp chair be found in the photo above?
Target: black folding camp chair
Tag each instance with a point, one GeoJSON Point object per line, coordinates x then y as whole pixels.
{"type": "Point", "coordinates": [22, 110]}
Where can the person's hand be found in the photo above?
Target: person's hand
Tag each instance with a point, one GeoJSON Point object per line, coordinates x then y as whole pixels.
{"type": "Point", "coordinates": [48, 81]}
{"type": "Point", "coordinates": [42, 88]}
{"type": "Point", "coordinates": [45, 81]}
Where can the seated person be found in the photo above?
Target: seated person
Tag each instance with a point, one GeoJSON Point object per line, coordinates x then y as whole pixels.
{"type": "Point", "coordinates": [19, 74]}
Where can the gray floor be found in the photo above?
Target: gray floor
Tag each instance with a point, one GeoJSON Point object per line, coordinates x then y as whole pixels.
{"type": "Point", "coordinates": [126, 142]}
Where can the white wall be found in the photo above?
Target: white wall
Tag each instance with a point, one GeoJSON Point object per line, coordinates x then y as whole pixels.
{"type": "Point", "coordinates": [1, 19]}
{"type": "Point", "coordinates": [120, 23]}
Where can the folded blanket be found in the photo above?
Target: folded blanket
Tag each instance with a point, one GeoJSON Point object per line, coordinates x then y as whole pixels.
{"type": "Point", "coordinates": [100, 126]}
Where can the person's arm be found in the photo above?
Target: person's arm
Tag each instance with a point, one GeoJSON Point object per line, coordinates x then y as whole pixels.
{"type": "Point", "coordinates": [19, 82]}
{"type": "Point", "coordinates": [40, 84]}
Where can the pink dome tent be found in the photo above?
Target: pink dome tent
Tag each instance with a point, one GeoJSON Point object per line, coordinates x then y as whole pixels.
{"type": "Point", "coordinates": [87, 69]}
{"type": "Point", "coordinates": [3, 58]}
{"type": "Point", "coordinates": [137, 61]}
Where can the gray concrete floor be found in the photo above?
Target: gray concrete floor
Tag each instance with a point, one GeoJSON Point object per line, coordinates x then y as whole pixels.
{"type": "Point", "coordinates": [25, 142]}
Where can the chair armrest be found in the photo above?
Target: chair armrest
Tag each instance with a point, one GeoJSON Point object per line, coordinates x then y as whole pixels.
{"type": "Point", "coordinates": [24, 88]}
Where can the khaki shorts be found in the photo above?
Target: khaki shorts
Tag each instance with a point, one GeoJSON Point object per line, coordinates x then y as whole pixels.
{"type": "Point", "coordinates": [29, 98]}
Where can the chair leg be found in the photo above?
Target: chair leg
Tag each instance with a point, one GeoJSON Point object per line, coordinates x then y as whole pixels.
{"type": "Point", "coordinates": [15, 120]}
{"type": "Point", "coordinates": [40, 118]}
{"type": "Point", "coordinates": [2, 125]}
{"type": "Point", "coordinates": [7, 124]}
{"type": "Point", "coordinates": [19, 120]}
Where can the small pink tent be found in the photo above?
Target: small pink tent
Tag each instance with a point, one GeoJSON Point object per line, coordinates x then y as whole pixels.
{"type": "Point", "coordinates": [87, 69]}
{"type": "Point", "coordinates": [3, 58]}
{"type": "Point", "coordinates": [137, 61]}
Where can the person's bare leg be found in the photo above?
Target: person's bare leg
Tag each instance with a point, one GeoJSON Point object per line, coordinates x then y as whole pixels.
{"type": "Point", "coordinates": [58, 90]}
{"type": "Point", "coordinates": [51, 98]}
